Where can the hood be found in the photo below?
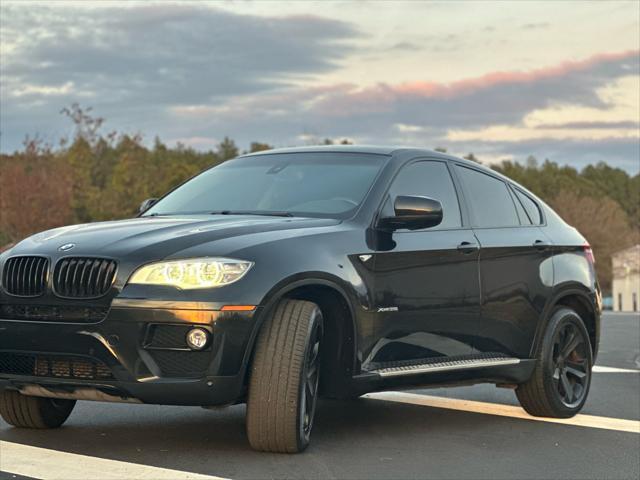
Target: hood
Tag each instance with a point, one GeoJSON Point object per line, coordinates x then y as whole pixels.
{"type": "Point", "coordinates": [155, 237]}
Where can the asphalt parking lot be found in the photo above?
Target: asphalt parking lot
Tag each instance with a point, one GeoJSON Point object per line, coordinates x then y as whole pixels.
{"type": "Point", "coordinates": [468, 432]}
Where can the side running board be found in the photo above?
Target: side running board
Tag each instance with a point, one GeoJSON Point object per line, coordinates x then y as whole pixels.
{"type": "Point", "coordinates": [442, 365]}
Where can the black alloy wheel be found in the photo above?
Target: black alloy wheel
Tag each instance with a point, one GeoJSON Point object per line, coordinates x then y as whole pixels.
{"type": "Point", "coordinates": [559, 384]}
{"type": "Point", "coordinates": [570, 365]}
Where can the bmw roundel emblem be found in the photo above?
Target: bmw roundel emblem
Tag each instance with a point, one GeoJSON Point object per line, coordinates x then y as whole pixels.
{"type": "Point", "coordinates": [66, 247]}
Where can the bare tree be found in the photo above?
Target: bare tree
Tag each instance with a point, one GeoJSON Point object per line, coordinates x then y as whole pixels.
{"type": "Point", "coordinates": [602, 222]}
{"type": "Point", "coordinates": [86, 125]}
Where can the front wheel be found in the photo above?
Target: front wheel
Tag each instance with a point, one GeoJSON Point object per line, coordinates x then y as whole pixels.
{"type": "Point", "coordinates": [283, 388]}
{"type": "Point", "coordinates": [23, 411]}
{"type": "Point", "coordinates": [562, 376]}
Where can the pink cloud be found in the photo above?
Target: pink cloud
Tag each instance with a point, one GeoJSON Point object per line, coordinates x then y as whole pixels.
{"type": "Point", "coordinates": [431, 89]}
{"type": "Point", "coordinates": [381, 98]}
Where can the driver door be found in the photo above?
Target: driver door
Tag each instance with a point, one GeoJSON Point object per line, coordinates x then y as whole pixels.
{"type": "Point", "coordinates": [426, 284]}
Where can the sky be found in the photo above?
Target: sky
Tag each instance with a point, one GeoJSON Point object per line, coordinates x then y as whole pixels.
{"type": "Point", "coordinates": [502, 79]}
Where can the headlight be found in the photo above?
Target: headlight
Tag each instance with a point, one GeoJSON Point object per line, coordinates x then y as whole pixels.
{"type": "Point", "coordinates": [192, 273]}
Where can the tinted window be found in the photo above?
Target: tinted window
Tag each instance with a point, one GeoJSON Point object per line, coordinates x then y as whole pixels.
{"type": "Point", "coordinates": [428, 179]}
{"type": "Point", "coordinates": [489, 199]}
{"type": "Point", "coordinates": [533, 211]}
{"type": "Point", "coordinates": [311, 184]}
{"type": "Point", "coordinates": [524, 216]}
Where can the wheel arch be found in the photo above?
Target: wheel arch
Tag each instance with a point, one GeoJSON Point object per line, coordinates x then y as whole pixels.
{"type": "Point", "coordinates": [579, 301]}
{"type": "Point", "coordinates": [339, 349]}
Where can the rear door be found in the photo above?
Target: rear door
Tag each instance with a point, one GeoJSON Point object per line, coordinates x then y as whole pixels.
{"type": "Point", "coordinates": [516, 272]}
{"type": "Point", "coordinates": [426, 284]}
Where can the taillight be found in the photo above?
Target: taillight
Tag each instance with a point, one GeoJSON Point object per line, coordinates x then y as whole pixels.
{"type": "Point", "coordinates": [588, 252]}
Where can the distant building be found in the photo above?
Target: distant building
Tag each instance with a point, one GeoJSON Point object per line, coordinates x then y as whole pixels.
{"type": "Point", "coordinates": [626, 280]}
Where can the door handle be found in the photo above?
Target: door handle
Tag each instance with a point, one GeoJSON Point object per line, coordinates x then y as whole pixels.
{"type": "Point", "coordinates": [541, 244]}
{"type": "Point", "coordinates": [468, 247]}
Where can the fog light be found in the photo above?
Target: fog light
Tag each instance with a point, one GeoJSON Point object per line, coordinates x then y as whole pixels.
{"type": "Point", "coordinates": [197, 338]}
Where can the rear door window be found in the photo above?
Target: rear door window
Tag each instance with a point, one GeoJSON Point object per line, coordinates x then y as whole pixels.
{"type": "Point", "coordinates": [489, 199]}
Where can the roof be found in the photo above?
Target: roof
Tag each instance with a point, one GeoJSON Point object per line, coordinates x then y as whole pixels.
{"type": "Point", "coordinates": [379, 150]}
{"type": "Point", "coordinates": [633, 252]}
{"type": "Point", "coordinates": [628, 249]}
{"type": "Point", "coordinates": [626, 261]}
{"type": "Point", "coordinates": [392, 150]}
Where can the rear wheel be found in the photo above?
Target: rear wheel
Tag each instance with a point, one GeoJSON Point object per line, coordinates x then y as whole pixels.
{"type": "Point", "coordinates": [34, 412]}
{"type": "Point", "coordinates": [283, 389]}
{"type": "Point", "coordinates": [562, 377]}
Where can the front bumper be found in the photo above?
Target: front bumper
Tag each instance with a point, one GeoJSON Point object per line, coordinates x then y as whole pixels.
{"type": "Point", "coordinates": [124, 357]}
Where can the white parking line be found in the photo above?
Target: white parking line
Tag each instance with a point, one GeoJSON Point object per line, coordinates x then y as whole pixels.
{"type": "Point", "coordinates": [48, 464]}
{"type": "Point", "coordinates": [599, 369]}
{"type": "Point", "coordinates": [472, 406]}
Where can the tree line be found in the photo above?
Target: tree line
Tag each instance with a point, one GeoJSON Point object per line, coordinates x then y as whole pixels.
{"type": "Point", "coordinates": [98, 176]}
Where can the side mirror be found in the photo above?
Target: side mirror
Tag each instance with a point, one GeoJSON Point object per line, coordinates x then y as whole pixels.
{"type": "Point", "coordinates": [413, 213]}
{"type": "Point", "coordinates": [147, 204]}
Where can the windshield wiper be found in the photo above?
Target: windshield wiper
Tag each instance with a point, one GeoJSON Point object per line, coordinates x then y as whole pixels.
{"type": "Point", "coordinates": [250, 212]}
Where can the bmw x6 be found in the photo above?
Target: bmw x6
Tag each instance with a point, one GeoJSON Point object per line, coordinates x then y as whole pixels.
{"type": "Point", "coordinates": [279, 277]}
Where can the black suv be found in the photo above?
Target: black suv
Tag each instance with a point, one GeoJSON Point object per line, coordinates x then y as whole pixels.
{"type": "Point", "coordinates": [277, 277]}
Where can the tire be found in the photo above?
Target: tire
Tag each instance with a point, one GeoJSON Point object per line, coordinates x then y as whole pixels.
{"type": "Point", "coordinates": [283, 387]}
{"type": "Point", "coordinates": [560, 383]}
{"type": "Point", "coordinates": [23, 411]}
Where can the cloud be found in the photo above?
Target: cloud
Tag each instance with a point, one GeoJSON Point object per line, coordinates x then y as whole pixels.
{"type": "Point", "coordinates": [193, 73]}
{"type": "Point", "coordinates": [499, 97]}
{"type": "Point", "coordinates": [406, 47]}
{"type": "Point", "coordinates": [509, 133]}
{"type": "Point", "coordinates": [42, 90]}
{"type": "Point", "coordinates": [182, 54]}
{"type": "Point", "coordinates": [621, 152]}
{"type": "Point", "coordinates": [590, 125]}
{"type": "Point", "coordinates": [493, 99]}
{"type": "Point", "coordinates": [535, 25]}
{"type": "Point", "coordinates": [132, 64]}
{"type": "Point", "coordinates": [487, 112]}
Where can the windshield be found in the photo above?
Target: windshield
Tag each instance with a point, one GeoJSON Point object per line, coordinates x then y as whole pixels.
{"type": "Point", "coordinates": [328, 185]}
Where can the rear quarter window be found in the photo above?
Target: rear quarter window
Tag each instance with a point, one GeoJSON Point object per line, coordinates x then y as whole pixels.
{"type": "Point", "coordinates": [531, 207]}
